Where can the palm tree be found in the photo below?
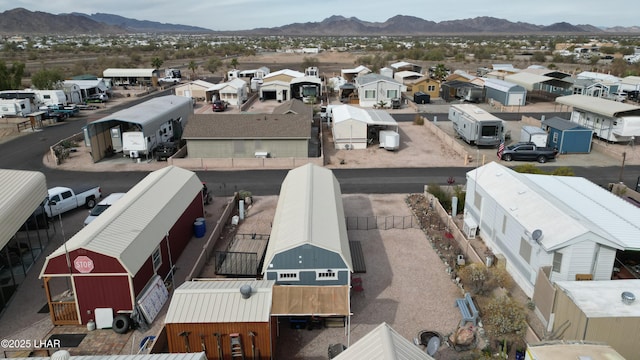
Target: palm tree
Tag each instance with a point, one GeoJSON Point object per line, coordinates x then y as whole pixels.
{"type": "Point", "coordinates": [156, 62]}
{"type": "Point", "coordinates": [234, 63]}
{"type": "Point", "coordinates": [193, 67]}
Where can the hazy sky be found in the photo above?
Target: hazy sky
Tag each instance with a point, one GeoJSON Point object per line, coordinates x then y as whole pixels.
{"type": "Point", "coordinates": [249, 14]}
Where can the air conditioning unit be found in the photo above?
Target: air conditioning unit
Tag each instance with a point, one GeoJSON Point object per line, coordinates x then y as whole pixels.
{"type": "Point", "coordinates": [261, 154]}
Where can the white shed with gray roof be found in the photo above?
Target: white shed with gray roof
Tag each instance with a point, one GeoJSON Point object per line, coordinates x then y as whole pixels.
{"type": "Point", "coordinates": [352, 126]}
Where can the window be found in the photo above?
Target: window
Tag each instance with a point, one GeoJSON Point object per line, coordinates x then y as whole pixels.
{"type": "Point", "coordinates": [391, 94]}
{"type": "Point", "coordinates": [156, 257]}
{"type": "Point", "coordinates": [557, 262]}
{"type": "Point", "coordinates": [525, 250]}
{"type": "Point", "coordinates": [326, 275]}
{"type": "Point", "coordinates": [504, 224]}
{"type": "Point", "coordinates": [555, 138]}
{"type": "Point", "coordinates": [288, 276]}
{"type": "Point", "coordinates": [369, 94]}
{"type": "Point", "coordinates": [431, 88]}
{"type": "Point", "coordinates": [477, 201]}
{"type": "Point", "coordinates": [66, 194]}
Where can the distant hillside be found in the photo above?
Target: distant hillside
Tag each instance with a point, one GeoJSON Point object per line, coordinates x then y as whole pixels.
{"type": "Point", "coordinates": [23, 21]}
{"type": "Point", "coordinates": [134, 25]}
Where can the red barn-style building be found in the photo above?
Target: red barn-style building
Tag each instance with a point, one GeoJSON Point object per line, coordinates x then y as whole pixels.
{"type": "Point", "coordinates": [110, 261]}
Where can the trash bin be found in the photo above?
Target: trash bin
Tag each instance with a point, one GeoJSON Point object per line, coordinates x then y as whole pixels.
{"type": "Point", "coordinates": [199, 229]}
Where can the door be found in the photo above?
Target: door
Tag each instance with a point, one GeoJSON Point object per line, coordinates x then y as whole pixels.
{"type": "Point", "coordinates": [68, 201]}
{"type": "Point", "coordinates": [116, 139]}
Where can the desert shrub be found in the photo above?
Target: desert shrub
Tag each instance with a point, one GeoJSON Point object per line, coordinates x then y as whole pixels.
{"type": "Point", "coordinates": [443, 197]}
{"type": "Point", "coordinates": [505, 318]}
{"type": "Point", "coordinates": [500, 277]}
{"type": "Point", "coordinates": [459, 192]}
{"type": "Point", "coordinates": [476, 278]}
{"type": "Point", "coordinates": [418, 120]}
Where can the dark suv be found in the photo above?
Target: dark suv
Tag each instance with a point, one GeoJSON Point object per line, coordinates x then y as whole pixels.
{"type": "Point", "coordinates": [219, 105]}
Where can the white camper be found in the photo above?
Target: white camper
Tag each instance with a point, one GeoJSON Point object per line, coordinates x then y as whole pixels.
{"type": "Point", "coordinates": [534, 134]}
{"type": "Point", "coordinates": [51, 97]}
{"type": "Point", "coordinates": [390, 140]}
{"type": "Point", "coordinates": [475, 125]}
{"type": "Point", "coordinates": [15, 107]}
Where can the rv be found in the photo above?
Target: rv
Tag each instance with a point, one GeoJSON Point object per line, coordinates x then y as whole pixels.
{"type": "Point", "coordinates": [51, 97]}
{"type": "Point", "coordinates": [15, 107]}
{"type": "Point", "coordinates": [135, 144]}
{"type": "Point", "coordinates": [476, 126]}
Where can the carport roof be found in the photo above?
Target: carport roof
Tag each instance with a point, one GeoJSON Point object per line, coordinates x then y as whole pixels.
{"type": "Point", "coordinates": [20, 195]}
{"type": "Point", "coordinates": [149, 112]}
{"type": "Point", "coordinates": [598, 105]}
{"type": "Point", "coordinates": [370, 116]}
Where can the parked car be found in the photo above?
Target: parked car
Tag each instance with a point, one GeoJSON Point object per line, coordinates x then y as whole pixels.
{"type": "Point", "coordinates": [527, 151]}
{"type": "Point", "coordinates": [97, 98]}
{"type": "Point", "coordinates": [62, 199]}
{"type": "Point", "coordinates": [219, 105]}
{"type": "Point", "coordinates": [102, 206]}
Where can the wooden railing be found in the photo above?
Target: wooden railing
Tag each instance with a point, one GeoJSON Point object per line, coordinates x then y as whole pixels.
{"type": "Point", "coordinates": [64, 313]}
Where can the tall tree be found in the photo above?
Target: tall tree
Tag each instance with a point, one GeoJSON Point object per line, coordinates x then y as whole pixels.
{"type": "Point", "coordinates": [11, 78]}
{"type": "Point", "coordinates": [193, 66]}
{"type": "Point", "coordinates": [47, 79]}
{"type": "Point", "coordinates": [234, 63]}
{"type": "Point", "coordinates": [213, 64]}
{"type": "Point", "coordinates": [156, 62]}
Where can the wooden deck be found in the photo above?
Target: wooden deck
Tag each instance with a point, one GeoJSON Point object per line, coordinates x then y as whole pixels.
{"type": "Point", "coordinates": [243, 257]}
{"type": "Point", "coordinates": [357, 257]}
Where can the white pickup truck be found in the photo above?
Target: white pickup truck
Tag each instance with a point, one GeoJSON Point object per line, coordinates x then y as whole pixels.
{"type": "Point", "coordinates": [62, 199]}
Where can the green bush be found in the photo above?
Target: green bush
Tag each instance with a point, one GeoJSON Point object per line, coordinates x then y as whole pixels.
{"type": "Point", "coordinates": [418, 120]}
{"type": "Point", "coordinates": [443, 197]}
{"type": "Point", "coordinates": [505, 318]}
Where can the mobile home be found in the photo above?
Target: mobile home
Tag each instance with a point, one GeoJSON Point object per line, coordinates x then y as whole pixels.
{"type": "Point", "coordinates": [51, 97]}
{"type": "Point", "coordinates": [476, 126]}
{"type": "Point", "coordinates": [15, 107]}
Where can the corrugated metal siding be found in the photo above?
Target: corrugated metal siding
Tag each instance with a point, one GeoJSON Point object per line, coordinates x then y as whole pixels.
{"type": "Point", "coordinates": [309, 211]}
{"type": "Point", "coordinates": [20, 195]}
{"type": "Point", "coordinates": [566, 311]}
{"type": "Point", "coordinates": [220, 301]}
{"type": "Point", "coordinates": [132, 228]}
{"type": "Point", "coordinates": [383, 343]}
{"type": "Point", "coordinates": [214, 148]}
{"type": "Point", "coordinates": [621, 334]}
{"type": "Point", "coordinates": [109, 292]}
{"type": "Point", "coordinates": [263, 340]}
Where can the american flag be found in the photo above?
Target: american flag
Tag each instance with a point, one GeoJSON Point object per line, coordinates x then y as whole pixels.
{"type": "Point", "coordinates": [500, 150]}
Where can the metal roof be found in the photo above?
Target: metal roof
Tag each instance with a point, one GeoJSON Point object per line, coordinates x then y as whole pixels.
{"type": "Point", "coordinates": [600, 299]}
{"type": "Point", "coordinates": [233, 84]}
{"type": "Point", "coordinates": [248, 126]}
{"type": "Point", "coordinates": [383, 343]}
{"type": "Point", "coordinates": [372, 77]}
{"type": "Point", "coordinates": [598, 105]}
{"type": "Point", "coordinates": [20, 195]}
{"type": "Point", "coordinates": [527, 80]}
{"type": "Point", "coordinates": [89, 84]}
{"type": "Point", "coordinates": [356, 70]}
{"type": "Point", "coordinates": [113, 72]}
{"type": "Point", "coordinates": [345, 112]}
{"type": "Point", "coordinates": [309, 212]}
{"type": "Point", "coordinates": [631, 80]}
{"type": "Point", "coordinates": [287, 72]}
{"type": "Point", "coordinates": [220, 301]}
{"type": "Point", "coordinates": [163, 356]}
{"type": "Point", "coordinates": [565, 208]}
{"type": "Point", "coordinates": [500, 85]}
{"type": "Point", "coordinates": [132, 228]}
{"type": "Point", "coordinates": [563, 124]}
{"type": "Point", "coordinates": [197, 83]}
{"type": "Point", "coordinates": [153, 112]}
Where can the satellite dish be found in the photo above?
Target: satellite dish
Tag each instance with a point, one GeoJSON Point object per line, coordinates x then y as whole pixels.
{"type": "Point", "coordinates": [536, 235]}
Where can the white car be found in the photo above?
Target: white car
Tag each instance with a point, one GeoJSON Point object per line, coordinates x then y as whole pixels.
{"type": "Point", "coordinates": [102, 206]}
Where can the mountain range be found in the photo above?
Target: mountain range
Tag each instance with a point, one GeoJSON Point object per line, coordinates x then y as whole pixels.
{"type": "Point", "coordinates": [23, 21]}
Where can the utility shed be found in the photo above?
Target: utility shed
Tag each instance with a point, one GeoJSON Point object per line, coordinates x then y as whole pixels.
{"type": "Point", "coordinates": [507, 93]}
{"type": "Point", "coordinates": [200, 309]}
{"type": "Point", "coordinates": [355, 128]}
{"type": "Point", "coordinates": [568, 137]}
{"type": "Point", "coordinates": [595, 311]}
{"type": "Point", "coordinates": [21, 196]}
{"type": "Point", "coordinates": [383, 343]}
{"type": "Point", "coordinates": [110, 261]}
{"type": "Point", "coordinates": [308, 254]}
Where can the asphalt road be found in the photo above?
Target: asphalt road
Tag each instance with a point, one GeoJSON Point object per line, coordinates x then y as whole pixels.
{"type": "Point", "coordinates": [26, 153]}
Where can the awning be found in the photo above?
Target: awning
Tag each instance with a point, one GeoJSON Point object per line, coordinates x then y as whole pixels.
{"type": "Point", "coordinates": [310, 300]}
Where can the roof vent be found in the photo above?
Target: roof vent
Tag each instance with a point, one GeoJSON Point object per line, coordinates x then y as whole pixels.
{"type": "Point", "coordinates": [628, 297]}
{"type": "Point", "coordinates": [60, 355]}
{"type": "Point", "coordinates": [245, 290]}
